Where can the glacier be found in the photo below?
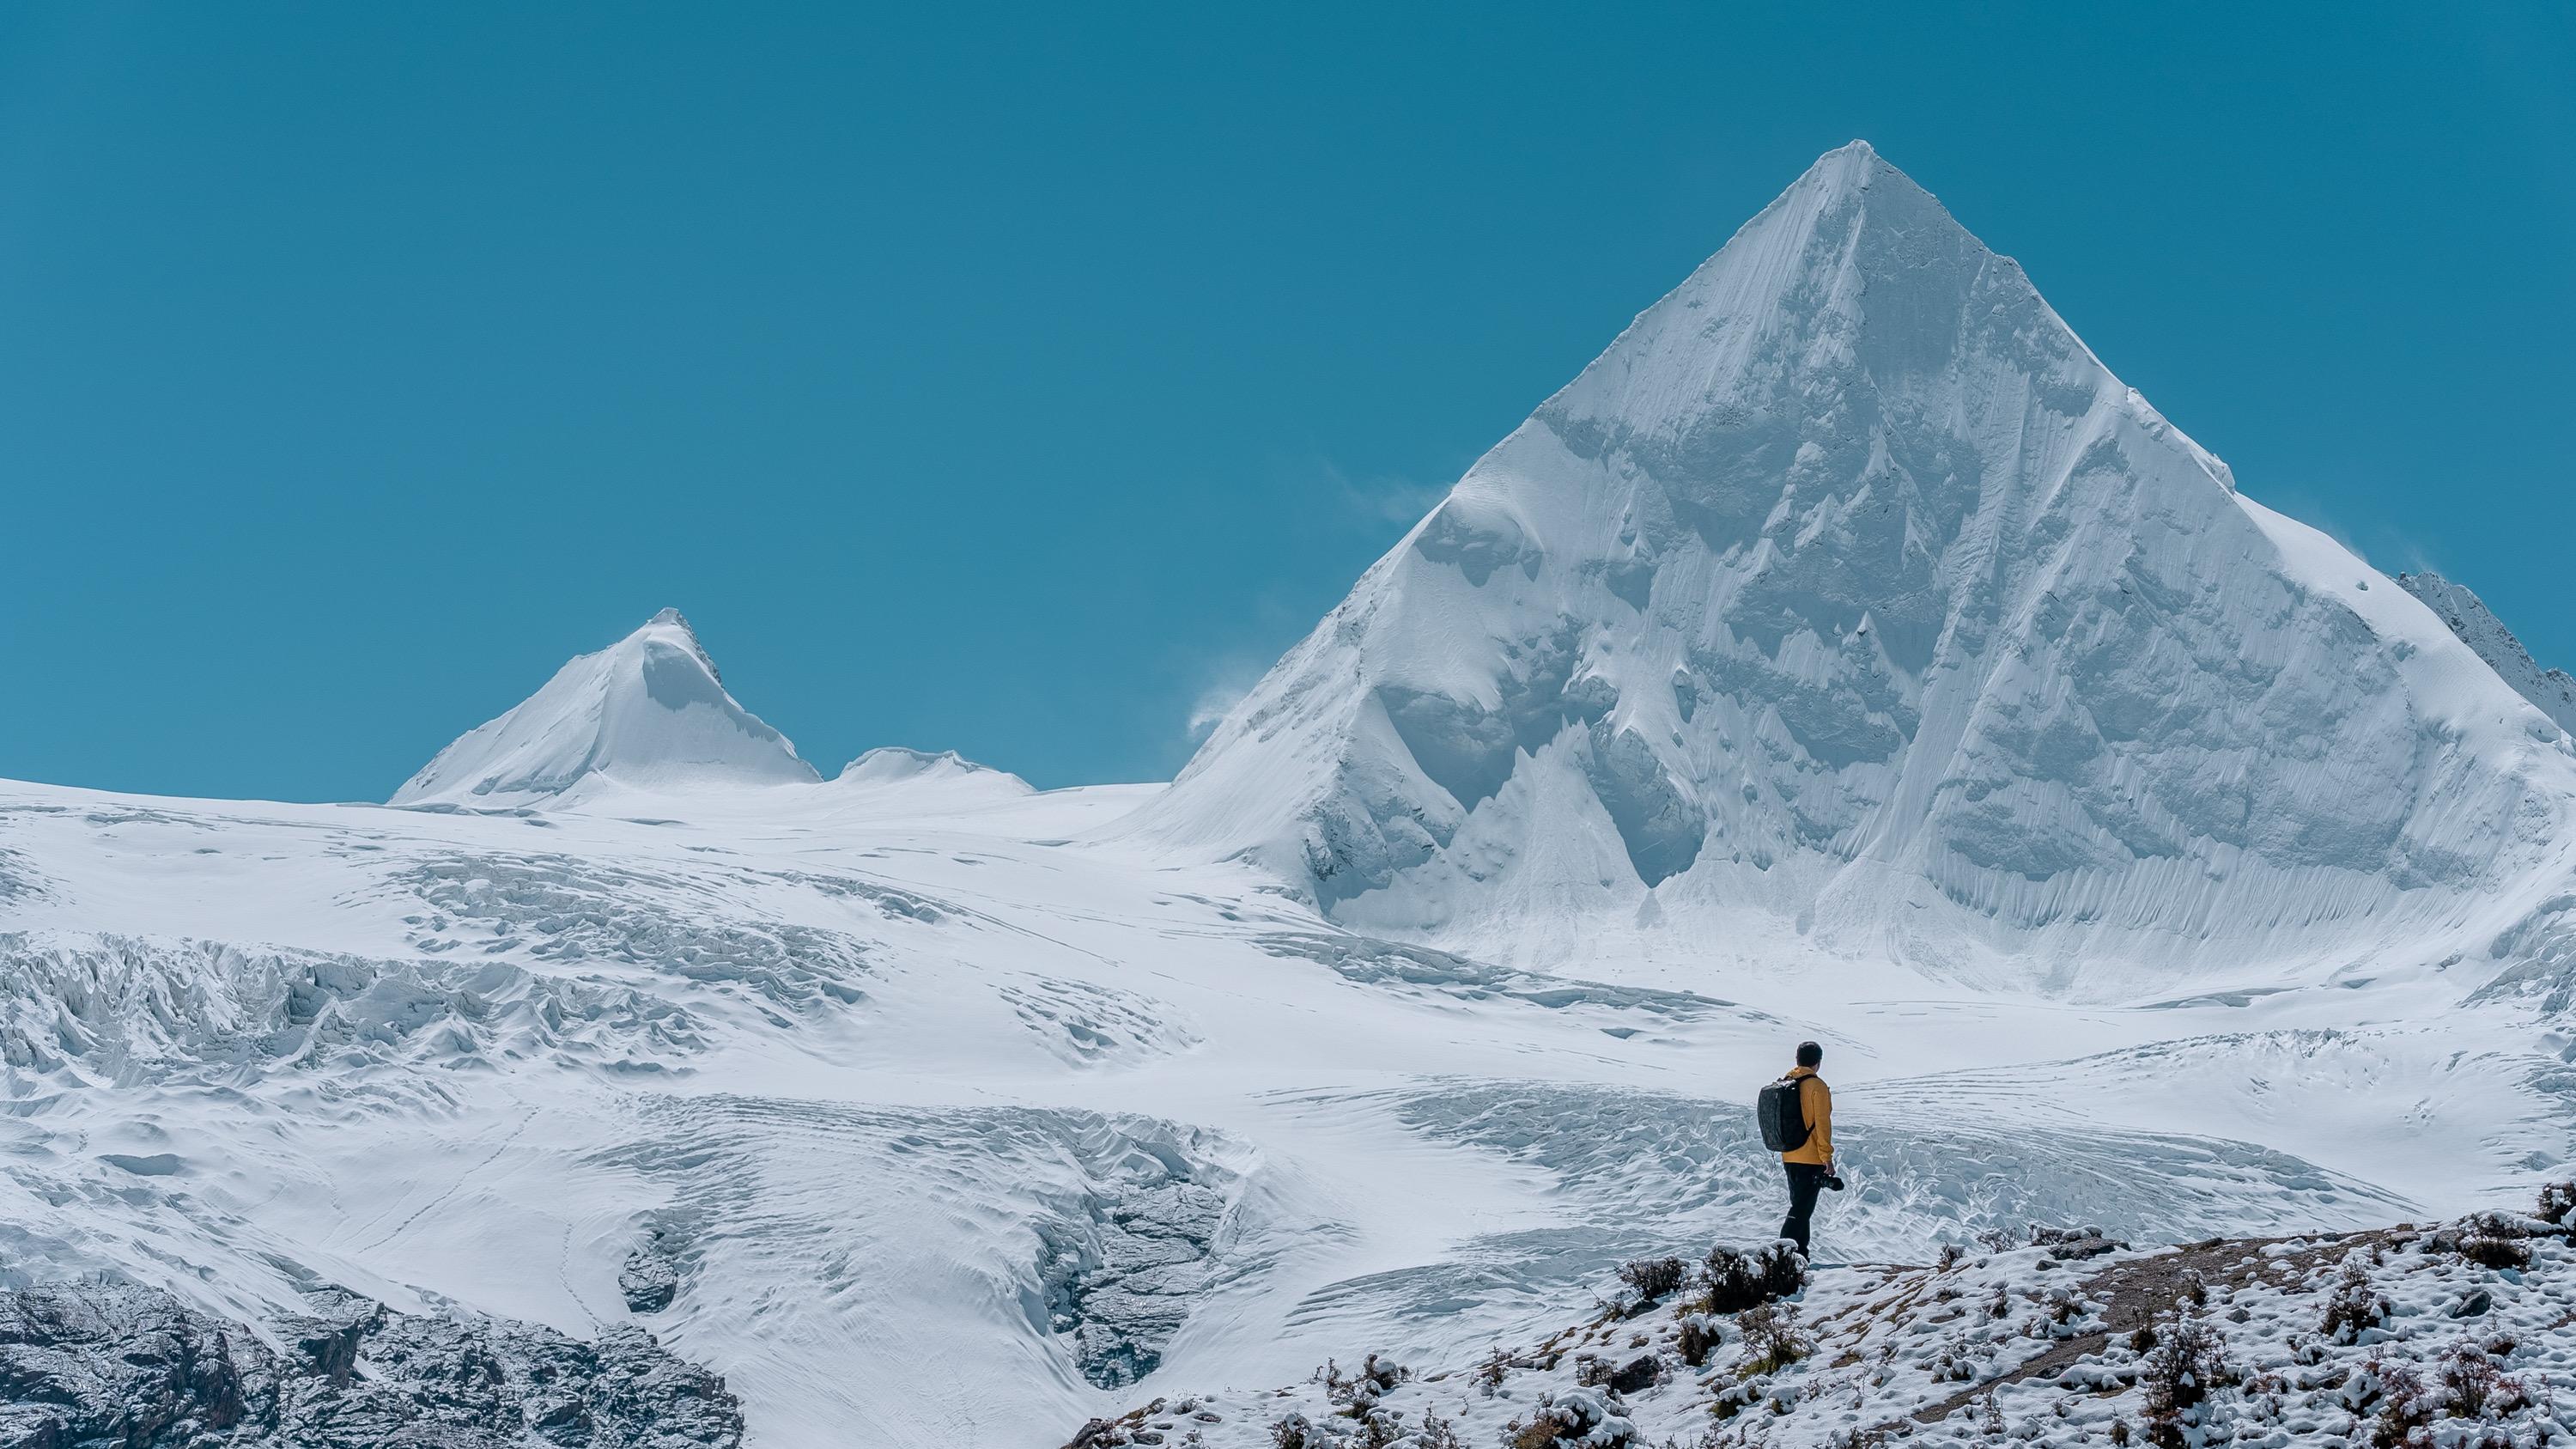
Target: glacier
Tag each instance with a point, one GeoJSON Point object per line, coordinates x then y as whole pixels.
{"type": "Point", "coordinates": [1845, 654]}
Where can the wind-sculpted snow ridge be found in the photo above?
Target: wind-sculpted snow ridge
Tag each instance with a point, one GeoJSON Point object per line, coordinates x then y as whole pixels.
{"type": "Point", "coordinates": [1849, 590]}
{"type": "Point", "coordinates": [100, 1363]}
{"type": "Point", "coordinates": [2551, 691]}
{"type": "Point", "coordinates": [2057, 1337]}
{"type": "Point", "coordinates": [649, 711]}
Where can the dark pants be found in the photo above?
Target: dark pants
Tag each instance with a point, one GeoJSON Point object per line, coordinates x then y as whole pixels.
{"type": "Point", "coordinates": [1806, 1179]}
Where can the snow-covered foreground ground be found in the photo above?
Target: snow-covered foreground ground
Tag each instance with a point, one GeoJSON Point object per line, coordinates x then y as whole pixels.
{"type": "Point", "coordinates": [948, 1123]}
{"type": "Point", "coordinates": [2448, 1335]}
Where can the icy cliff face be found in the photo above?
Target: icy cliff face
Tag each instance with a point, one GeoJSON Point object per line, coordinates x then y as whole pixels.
{"type": "Point", "coordinates": [649, 711]}
{"type": "Point", "coordinates": [2551, 691]}
{"type": "Point", "coordinates": [1849, 586]}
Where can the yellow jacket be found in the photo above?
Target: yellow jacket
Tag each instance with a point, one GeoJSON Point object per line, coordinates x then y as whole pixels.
{"type": "Point", "coordinates": [1816, 1104]}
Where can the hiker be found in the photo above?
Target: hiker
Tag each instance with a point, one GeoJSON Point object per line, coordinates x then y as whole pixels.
{"type": "Point", "coordinates": [1797, 1115]}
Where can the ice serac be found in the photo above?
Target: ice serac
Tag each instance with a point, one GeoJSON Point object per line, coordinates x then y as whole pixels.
{"type": "Point", "coordinates": [1849, 591]}
{"type": "Point", "coordinates": [2551, 691]}
{"type": "Point", "coordinates": [649, 712]}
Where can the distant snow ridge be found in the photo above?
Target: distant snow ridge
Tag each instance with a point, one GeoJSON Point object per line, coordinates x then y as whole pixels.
{"type": "Point", "coordinates": [894, 780]}
{"type": "Point", "coordinates": [1848, 585]}
{"type": "Point", "coordinates": [2553, 691]}
{"type": "Point", "coordinates": [893, 764]}
{"type": "Point", "coordinates": [649, 711]}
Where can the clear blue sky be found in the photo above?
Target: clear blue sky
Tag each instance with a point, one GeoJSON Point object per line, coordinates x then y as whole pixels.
{"type": "Point", "coordinates": [1006, 381]}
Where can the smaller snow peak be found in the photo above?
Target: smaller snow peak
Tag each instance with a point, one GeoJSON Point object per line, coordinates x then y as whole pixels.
{"type": "Point", "coordinates": [895, 780]}
{"type": "Point", "coordinates": [894, 764]}
{"type": "Point", "coordinates": [648, 712]}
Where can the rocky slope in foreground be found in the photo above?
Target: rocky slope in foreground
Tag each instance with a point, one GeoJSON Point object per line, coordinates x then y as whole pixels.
{"type": "Point", "coordinates": [2451, 1335]}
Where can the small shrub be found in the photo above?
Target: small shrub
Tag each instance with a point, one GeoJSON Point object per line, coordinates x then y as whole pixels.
{"type": "Point", "coordinates": [1489, 1374]}
{"type": "Point", "coordinates": [2180, 1374]}
{"type": "Point", "coordinates": [1699, 1335]}
{"type": "Point", "coordinates": [1734, 1281]}
{"type": "Point", "coordinates": [2063, 1306]}
{"type": "Point", "coordinates": [1437, 1433]}
{"type": "Point", "coordinates": [1951, 1256]}
{"type": "Point", "coordinates": [2472, 1386]}
{"type": "Point", "coordinates": [2557, 1204]}
{"type": "Point", "coordinates": [1356, 1396]}
{"type": "Point", "coordinates": [2354, 1305]}
{"type": "Point", "coordinates": [1571, 1416]}
{"type": "Point", "coordinates": [2406, 1407]}
{"type": "Point", "coordinates": [1772, 1339]}
{"type": "Point", "coordinates": [1294, 1432]}
{"type": "Point", "coordinates": [1651, 1279]}
{"type": "Point", "coordinates": [2119, 1431]}
{"type": "Point", "coordinates": [2492, 1249]}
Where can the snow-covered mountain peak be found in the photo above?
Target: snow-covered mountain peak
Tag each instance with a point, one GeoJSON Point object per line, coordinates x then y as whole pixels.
{"type": "Point", "coordinates": [649, 712]}
{"type": "Point", "coordinates": [673, 626]}
{"type": "Point", "coordinates": [1849, 588]}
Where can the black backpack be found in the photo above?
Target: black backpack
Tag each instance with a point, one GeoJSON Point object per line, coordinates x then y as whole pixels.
{"type": "Point", "coordinates": [1782, 1115]}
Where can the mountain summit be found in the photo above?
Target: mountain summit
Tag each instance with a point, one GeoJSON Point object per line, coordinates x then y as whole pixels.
{"type": "Point", "coordinates": [649, 712]}
{"type": "Point", "coordinates": [1849, 591]}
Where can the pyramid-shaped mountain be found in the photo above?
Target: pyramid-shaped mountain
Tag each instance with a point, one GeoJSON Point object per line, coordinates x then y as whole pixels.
{"type": "Point", "coordinates": [649, 712]}
{"type": "Point", "coordinates": [1848, 596]}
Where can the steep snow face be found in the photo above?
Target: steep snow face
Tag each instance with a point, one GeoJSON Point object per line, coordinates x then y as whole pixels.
{"type": "Point", "coordinates": [2551, 691]}
{"type": "Point", "coordinates": [648, 712]}
{"type": "Point", "coordinates": [1849, 587]}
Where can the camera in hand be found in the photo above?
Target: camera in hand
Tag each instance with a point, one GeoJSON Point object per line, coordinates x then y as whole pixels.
{"type": "Point", "coordinates": [1833, 1182]}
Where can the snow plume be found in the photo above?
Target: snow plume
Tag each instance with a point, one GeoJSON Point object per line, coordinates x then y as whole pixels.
{"type": "Point", "coordinates": [1229, 682]}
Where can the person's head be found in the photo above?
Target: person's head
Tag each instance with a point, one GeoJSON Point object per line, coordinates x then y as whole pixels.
{"type": "Point", "coordinates": [1810, 1055]}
